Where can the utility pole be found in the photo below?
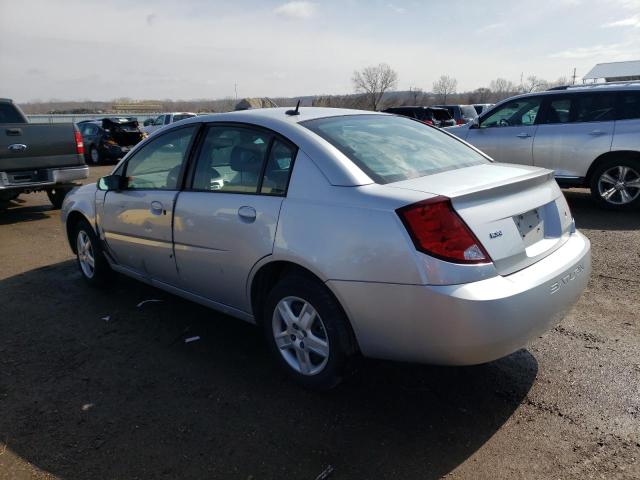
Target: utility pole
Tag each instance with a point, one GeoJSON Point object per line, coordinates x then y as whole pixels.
{"type": "Point", "coordinates": [573, 81]}
{"type": "Point", "coordinates": [235, 86]}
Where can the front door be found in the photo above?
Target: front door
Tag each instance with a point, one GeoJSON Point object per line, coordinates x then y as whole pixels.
{"type": "Point", "coordinates": [506, 135]}
{"type": "Point", "coordinates": [226, 222]}
{"type": "Point", "coordinates": [137, 221]}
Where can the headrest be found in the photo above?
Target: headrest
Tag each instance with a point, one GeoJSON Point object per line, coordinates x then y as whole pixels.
{"type": "Point", "coordinates": [245, 159]}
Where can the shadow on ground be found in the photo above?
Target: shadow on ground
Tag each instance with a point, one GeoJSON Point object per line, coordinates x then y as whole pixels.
{"type": "Point", "coordinates": [16, 212]}
{"type": "Point", "coordinates": [82, 397]}
{"type": "Point", "coordinates": [588, 215]}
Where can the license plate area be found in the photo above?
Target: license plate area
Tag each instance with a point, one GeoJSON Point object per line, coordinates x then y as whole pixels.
{"type": "Point", "coordinates": [530, 226]}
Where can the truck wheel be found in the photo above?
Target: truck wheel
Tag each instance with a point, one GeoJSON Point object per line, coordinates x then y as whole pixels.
{"type": "Point", "coordinates": [308, 332]}
{"type": "Point", "coordinates": [615, 184]}
{"type": "Point", "coordinates": [56, 196]}
{"type": "Point", "coordinates": [95, 157]}
{"type": "Point", "coordinates": [93, 266]}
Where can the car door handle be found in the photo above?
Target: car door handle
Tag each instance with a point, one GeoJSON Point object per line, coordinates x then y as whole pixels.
{"type": "Point", "coordinates": [157, 208]}
{"type": "Point", "coordinates": [247, 213]}
{"type": "Point", "coordinates": [17, 147]}
{"type": "Point", "coordinates": [13, 132]}
{"type": "Point", "coordinates": [596, 133]}
{"type": "Point", "coordinates": [523, 135]}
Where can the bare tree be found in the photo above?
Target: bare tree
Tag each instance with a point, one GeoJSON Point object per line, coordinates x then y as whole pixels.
{"type": "Point", "coordinates": [479, 95]}
{"type": "Point", "coordinates": [444, 87]}
{"type": "Point", "coordinates": [535, 84]}
{"type": "Point", "coordinates": [416, 95]}
{"type": "Point", "coordinates": [502, 88]}
{"type": "Point", "coordinates": [373, 81]}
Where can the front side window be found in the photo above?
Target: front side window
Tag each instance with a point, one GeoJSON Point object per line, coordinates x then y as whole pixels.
{"type": "Point", "coordinates": [521, 112]}
{"type": "Point", "coordinates": [231, 159]}
{"type": "Point", "coordinates": [628, 106]}
{"type": "Point", "coordinates": [157, 165]}
{"type": "Point", "coordinates": [391, 149]}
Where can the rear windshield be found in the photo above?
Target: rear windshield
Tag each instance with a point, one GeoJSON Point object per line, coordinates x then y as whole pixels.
{"type": "Point", "coordinates": [441, 114]}
{"type": "Point", "coordinates": [391, 149]}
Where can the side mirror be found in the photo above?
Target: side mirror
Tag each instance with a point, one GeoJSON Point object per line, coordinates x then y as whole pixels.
{"type": "Point", "coordinates": [112, 182]}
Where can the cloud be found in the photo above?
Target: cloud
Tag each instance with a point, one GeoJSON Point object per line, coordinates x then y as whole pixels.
{"type": "Point", "coordinates": [151, 19]}
{"type": "Point", "coordinates": [492, 26]}
{"type": "Point", "coordinates": [396, 8]}
{"type": "Point", "coordinates": [615, 51]}
{"type": "Point", "coordinates": [626, 22]}
{"type": "Point", "coordinates": [296, 9]}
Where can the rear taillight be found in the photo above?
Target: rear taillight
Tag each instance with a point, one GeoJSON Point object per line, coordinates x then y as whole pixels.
{"type": "Point", "coordinates": [79, 143]}
{"type": "Point", "coordinates": [428, 122]}
{"type": "Point", "coordinates": [460, 121]}
{"type": "Point", "coordinates": [437, 230]}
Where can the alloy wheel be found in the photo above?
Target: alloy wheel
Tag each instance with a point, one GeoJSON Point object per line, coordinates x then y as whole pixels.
{"type": "Point", "coordinates": [300, 335]}
{"type": "Point", "coordinates": [619, 185]}
{"type": "Point", "coordinates": [85, 254]}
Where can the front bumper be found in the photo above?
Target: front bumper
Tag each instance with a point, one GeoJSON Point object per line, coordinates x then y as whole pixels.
{"type": "Point", "coordinates": [469, 323]}
{"type": "Point", "coordinates": [42, 178]}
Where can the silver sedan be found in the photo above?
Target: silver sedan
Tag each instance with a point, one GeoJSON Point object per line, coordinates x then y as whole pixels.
{"type": "Point", "coordinates": [339, 233]}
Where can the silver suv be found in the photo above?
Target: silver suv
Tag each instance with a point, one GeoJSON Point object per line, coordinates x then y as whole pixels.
{"type": "Point", "coordinates": [589, 135]}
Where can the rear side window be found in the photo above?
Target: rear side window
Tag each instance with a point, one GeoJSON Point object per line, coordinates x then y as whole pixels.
{"type": "Point", "coordinates": [441, 114]}
{"type": "Point", "coordinates": [391, 149]}
{"type": "Point", "coordinates": [592, 107]}
{"type": "Point", "coordinates": [10, 114]}
{"type": "Point", "coordinates": [628, 106]}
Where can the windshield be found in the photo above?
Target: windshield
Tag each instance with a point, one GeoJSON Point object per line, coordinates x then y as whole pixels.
{"type": "Point", "coordinates": [390, 148]}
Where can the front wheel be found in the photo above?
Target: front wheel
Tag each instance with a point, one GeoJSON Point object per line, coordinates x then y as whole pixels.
{"type": "Point", "coordinates": [93, 266]}
{"type": "Point", "coordinates": [308, 332]}
{"type": "Point", "coordinates": [615, 184]}
{"type": "Point", "coordinates": [56, 196]}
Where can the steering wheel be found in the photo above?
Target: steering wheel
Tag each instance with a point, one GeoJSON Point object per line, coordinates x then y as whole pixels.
{"type": "Point", "coordinates": [504, 122]}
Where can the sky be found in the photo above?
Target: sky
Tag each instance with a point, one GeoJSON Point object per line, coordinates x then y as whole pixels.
{"type": "Point", "coordinates": [190, 49]}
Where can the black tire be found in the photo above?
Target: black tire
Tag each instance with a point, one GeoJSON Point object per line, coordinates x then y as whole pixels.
{"type": "Point", "coordinates": [95, 156]}
{"type": "Point", "coordinates": [610, 167]}
{"type": "Point", "coordinates": [101, 270]}
{"type": "Point", "coordinates": [334, 327]}
{"type": "Point", "coordinates": [56, 196]}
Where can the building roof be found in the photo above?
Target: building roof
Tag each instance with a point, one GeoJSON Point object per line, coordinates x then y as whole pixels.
{"type": "Point", "coordinates": [614, 70]}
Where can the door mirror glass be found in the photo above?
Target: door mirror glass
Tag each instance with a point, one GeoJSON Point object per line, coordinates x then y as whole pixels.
{"type": "Point", "coordinates": [112, 182]}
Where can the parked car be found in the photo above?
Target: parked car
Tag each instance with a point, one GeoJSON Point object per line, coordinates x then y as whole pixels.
{"type": "Point", "coordinates": [166, 119]}
{"type": "Point", "coordinates": [338, 232]}
{"type": "Point", "coordinates": [589, 136]}
{"type": "Point", "coordinates": [438, 117]}
{"type": "Point", "coordinates": [482, 107]}
{"type": "Point", "coordinates": [109, 139]}
{"type": "Point", "coordinates": [461, 113]}
{"type": "Point", "coordinates": [38, 157]}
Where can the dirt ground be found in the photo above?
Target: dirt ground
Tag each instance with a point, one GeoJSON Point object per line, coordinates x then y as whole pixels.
{"type": "Point", "coordinates": [82, 397]}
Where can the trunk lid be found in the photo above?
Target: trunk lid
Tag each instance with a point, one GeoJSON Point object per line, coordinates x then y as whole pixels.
{"type": "Point", "coordinates": [518, 213]}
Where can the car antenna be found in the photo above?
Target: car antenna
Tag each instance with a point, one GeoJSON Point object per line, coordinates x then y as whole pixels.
{"type": "Point", "coordinates": [294, 112]}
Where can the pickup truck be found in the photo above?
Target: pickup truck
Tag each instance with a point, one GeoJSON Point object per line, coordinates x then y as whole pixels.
{"type": "Point", "coordinates": [165, 119]}
{"type": "Point", "coordinates": [38, 157]}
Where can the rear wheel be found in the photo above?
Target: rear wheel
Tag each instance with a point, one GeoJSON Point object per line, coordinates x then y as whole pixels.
{"type": "Point", "coordinates": [56, 196]}
{"type": "Point", "coordinates": [95, 157]}
{"type": "Point", "coordinates": [93, 266]}
{"type": "Point", "coordinates": [615, 184]}
{"type": "Point", "coordinates": [307, 332]}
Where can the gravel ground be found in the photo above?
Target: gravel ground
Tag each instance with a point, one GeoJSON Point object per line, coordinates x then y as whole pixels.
{"type": "Point", "coordinates": [82, 397]}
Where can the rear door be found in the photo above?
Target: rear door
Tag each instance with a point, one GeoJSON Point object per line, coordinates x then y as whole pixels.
{"type": "Point", "coordinates": [574, 130]}
{"type": "Point", "coordinates": [137, 221]}
{"type": "Point", "coordinates": [507, 133]}
{"type": "Point", "coordinates": [227, 221]}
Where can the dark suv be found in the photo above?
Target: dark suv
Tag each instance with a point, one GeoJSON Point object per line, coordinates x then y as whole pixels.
{"type": "Point", "coordinates": [438, 117]}
{"type": "Point", "coordinates": [109, 138]}
{"type": "Point", "coordinates": [461, 113]}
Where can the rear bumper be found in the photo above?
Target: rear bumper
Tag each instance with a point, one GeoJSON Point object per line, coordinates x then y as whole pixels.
{"type": "Point", "coordinates": [469, 323]}
{"type": "Point", "coordinates": [42, 178]}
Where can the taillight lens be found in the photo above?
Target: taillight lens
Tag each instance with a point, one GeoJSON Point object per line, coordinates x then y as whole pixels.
{"type": "Point", "coordinates": [437, 230]}
{"type": "Point", "coordinates": [460, 121]}
{"type": "Point", "coordinates": [79, 143]}
{"type": "Point", "coordinates": [428, 122]}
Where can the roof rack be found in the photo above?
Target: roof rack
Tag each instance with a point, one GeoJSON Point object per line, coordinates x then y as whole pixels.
{"type": "Point", "coordinates": [597, 85]}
